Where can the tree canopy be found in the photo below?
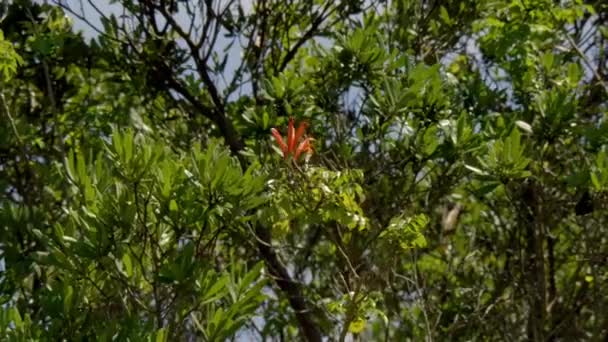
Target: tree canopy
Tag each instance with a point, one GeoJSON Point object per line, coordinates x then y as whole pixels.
{"type": "Point", "coordinates": [304, 170]}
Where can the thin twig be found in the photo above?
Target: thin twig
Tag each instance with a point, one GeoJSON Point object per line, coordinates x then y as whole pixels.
{"type": "Point", "coordinates": [307, 35]}
{"type": "Point", "coordinates": [582, 55]}
{"type": "Point", "coordinates": [7, 112]}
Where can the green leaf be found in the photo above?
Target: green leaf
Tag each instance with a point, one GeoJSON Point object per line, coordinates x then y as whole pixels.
{"type": "Point", "coordinates": [430, 140]}
{"type": "Point", "coordinates": [68, 294]}
{"type": "Point", "coordinates": [127, 264]}
{"type": "Point", "coordinates": [407, 231]}
{"type": "Point", "coordinates": [251, 276]}
{"type": "Point", "coordinates": [161, 335]}
{"type": "Point", "coordinates": [70, 167]}
{"type": "Point", "coordinates": [574, 73]}
{"type": "Point", "coordinates": [15, 317]}
{"type": "Point", "coordinates": [524, 126]}
{"type": "Point", "coordinates": [475, 170]}
{"type": "Point", "coordinates": [547, 61]}
{"type": "Point", "coordinates": [173, 206]}
{"type": "Point", "coordinates": [220, 169]}
{"type": "Point", "coordinates": [443, 13]}
{"type": "Point", "coordinates": [10, 60]}
{"type": "Point", "coordinates": [216, 291]}
{"type": "Point", "coordinates": [357, 325]}
{"type": "Point", "coordinates": [596, 182]}
{"type": "Point", "coordinates": [278, 87]}
{"type": "Point", "coordinates": [265, 120]}
{"type": "Point", "coordinates": [127, 145]}
{"type": "Point", "coordinates": [487, 188]}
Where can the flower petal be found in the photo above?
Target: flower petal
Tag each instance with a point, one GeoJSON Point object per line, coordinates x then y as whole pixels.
{"type": "Point", "coordinates": [300, 131]}
{"type": "Point", "coordinates": [304, 146]}
{"type": "Point", "coordinates": [280, 142]}
{"type": "Point", "coordinates": [291, 141]}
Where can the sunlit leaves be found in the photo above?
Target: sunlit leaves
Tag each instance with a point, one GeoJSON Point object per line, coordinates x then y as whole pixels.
{"type": "Point", "coordinates": [406, 232]}
{"type": "Point", "coordinates": [9, 59]}
{"type": "Point", "coordinates": [599, 173]}
{"type": "Point", "coordinates": [244, 295]}
{"type": "Point", "coordinates": [178, 201]}
{"type": "Point", "coordinates": [505, 159]}
{"type": "Point", "coordinates": [16, 327]}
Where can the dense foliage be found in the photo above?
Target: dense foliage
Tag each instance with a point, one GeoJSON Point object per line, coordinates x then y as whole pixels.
{"type": "Point", "coordinates": [451, 181]}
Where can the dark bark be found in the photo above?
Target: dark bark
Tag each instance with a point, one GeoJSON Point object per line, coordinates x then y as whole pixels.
{"type": "Point", "coordinates": [308, 328]}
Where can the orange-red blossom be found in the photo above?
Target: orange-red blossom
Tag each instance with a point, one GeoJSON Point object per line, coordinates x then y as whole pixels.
{"type": "Point", "coordinates": [293, 137]}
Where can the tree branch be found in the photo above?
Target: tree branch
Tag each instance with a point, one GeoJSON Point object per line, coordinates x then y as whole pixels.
{"type": "Point", "coordinates": [308, 327]}
{"type": "Point", "coordinates": [307, 35]}
{"type": "Point", "coordinates": [216, 113]}
{"type": "Point", "coordinates": [583, 56]}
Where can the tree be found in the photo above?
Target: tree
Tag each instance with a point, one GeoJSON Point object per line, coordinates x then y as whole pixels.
{"type": "Point", "coordinates": [453, 186]}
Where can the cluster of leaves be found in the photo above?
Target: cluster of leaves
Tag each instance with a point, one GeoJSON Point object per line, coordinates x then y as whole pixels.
{"type": "Point", "coordinates": [139, 229]}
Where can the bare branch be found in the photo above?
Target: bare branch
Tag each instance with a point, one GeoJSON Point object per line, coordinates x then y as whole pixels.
{"type": "Point", "coordinates": [584, 57]}
{"type": "Point", "coordinates": [308, 327]}
{"type": "Point", "coordinates": [312, 31]}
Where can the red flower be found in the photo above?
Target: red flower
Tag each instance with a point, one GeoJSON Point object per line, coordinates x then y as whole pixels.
{"type": "Point", "coordinates": [293, 136]}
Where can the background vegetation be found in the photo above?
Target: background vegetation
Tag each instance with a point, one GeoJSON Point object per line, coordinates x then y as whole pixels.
{"type": "Point", "coordinates": [457, 189]}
